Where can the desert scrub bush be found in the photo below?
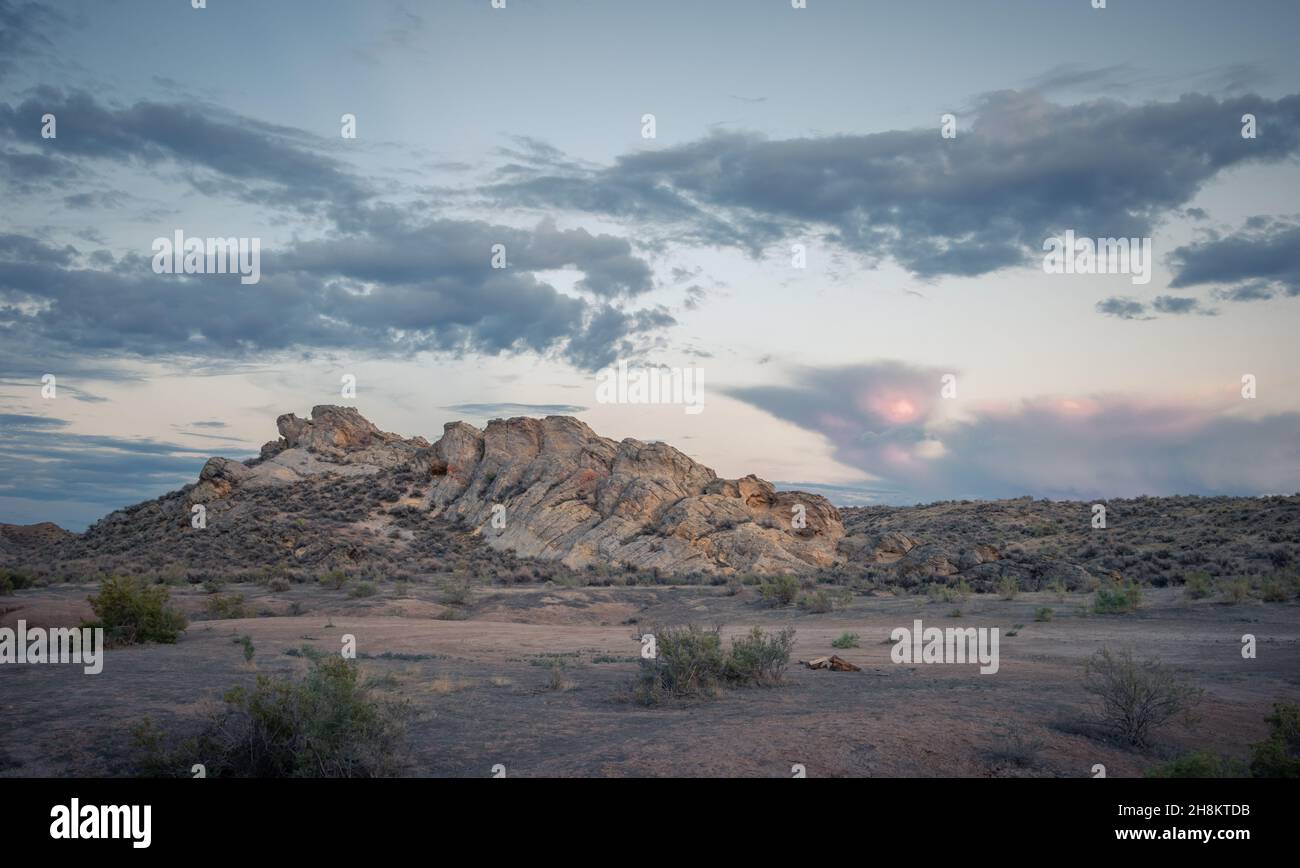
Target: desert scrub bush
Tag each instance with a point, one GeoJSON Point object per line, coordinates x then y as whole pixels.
{"type": "Point", "coordinates": [1008, 587]}
{"type": "Point", "coordinates": [325, 726]}
{"type": "Point", "coordinates": [1136, 697]}
{"type": "Point", "coordinates": [1198, 764]}
{"type": "Point", "coordinates": [362, 589]}
{"type": "Point", "coordinates": [15, 580]}
{"type": "Point", "coordinates": [846, 640]}
{"type": "Point", "coordinates": [1274, 590]}
{"type": "Point", "coordinates": [780, 591]}
{"type": "Point", "coordinates": [1235, 591]}
{"type": "Point", "coordinates": [817, 602]}
{"type": "Point", "coordinates": [1278, 756]}
{"type": "Point", "coordinates": [942, 593]}
{"type": "Point", "coordinates": [278, 585]}
{"type": "Point", "coordinates": [132, 612]}
{"type": "Point", "coordinates": [1013, 747]}
{"type": "Point", "coordinates": [1046, 613]}
{"type": "Point", "coordinates": [558, 681]}
{"type": "Point", "coordinates": [1117, 599]}
{"type": "Point", "coordinates": [227, 607]}
{"type": "Point", "coordinates": [689, 662]}
{"type": "Point", "coordinates": [759, 657]}
{"type": "Point", "coordinates": [334, 579]}
{"type": "Point", "coordinates": [1197, 585]}
{"type": "Point", "coordinates": [455, 592]}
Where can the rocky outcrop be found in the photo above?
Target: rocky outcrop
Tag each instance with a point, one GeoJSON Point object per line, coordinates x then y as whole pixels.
{"type": "Point", "coordinates": [341, 434]}
{"type": "Point", "coordinates": [553, 489]}
{"type": "Point", "coordinates": [557, 490]}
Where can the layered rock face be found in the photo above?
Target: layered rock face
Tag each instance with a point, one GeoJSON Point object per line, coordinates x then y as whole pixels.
{"type": "Point", "coordinates": [560, 491]}
{"type": "Point", "coordinates": [334, 440]}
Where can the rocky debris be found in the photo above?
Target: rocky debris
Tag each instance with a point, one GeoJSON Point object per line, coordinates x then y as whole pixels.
{"type": "Point", "coordinates": [833, 663]}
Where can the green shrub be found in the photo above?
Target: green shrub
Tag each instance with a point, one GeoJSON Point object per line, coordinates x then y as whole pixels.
{"type": "Point", "coordinates": [362, 589]}
{"type": "Point", "coordinates": [1278, 756]}
{"type": "Point", "coordinates": [939, 593]}
{"type": "Point", "coordinates": [1198, 764]}
{"type": "Point", "coordinates": [1235, 591]}
{"type": "Point", "coordinates": [689, 662]}
{"type": "Point", "coordinates": [1044, 614]}
{"type": "Point", "coordinates": [846, 640]}
{"type": "Point", "coordinates": [334, 579]}
{"type": "Point", "coordinates": [818, 602]}
{"type": "Point", "coordinates": [758, 657]}
{"type": "Point", "coordinates": [1197, 585]}
{"type": "Point", "coordinates": [15, 580]}
{"type": "Point", "coordinates": [1117, 600]}
{"type": "Point", "coordinates": [132, 612]}
{"type": "Point", "coordinates": [324, 726]}
{"type": "Point", "coordinates": [455, 593]}
{"type": "Point", "coordinates": [1134, 698]}
{"type": "Point", "coordinates": [279, 585]}
{"type": "Point", "coordinates": [225, 607]}
{"type": "Point", "coordinates": [1273, 590]}
{"type": "Point", "coordinates": [780, 591]}
{"type": "Point", "coordinates": [1008, 588]}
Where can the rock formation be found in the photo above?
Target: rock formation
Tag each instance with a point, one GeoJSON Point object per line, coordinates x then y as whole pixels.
{"type": "Point", "coordinates": [558, 491]}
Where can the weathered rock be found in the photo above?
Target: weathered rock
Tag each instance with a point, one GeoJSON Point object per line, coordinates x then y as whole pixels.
{"type": "Point", "coordinates": [1072, 576]}
{"type": "Point", "coordinates": [344, 435]}
{"type": "Point", "coordinates": [976, 555]}
{"type": "Point", "coordinates": [564, 492]}
{"type": "Point", "coordinates": [571, 495]}
{"type": "Point", "coordinates": [218, 478]}
{"type": "Point", "coordinates": [887, 548]}
{"type": "Point", "coordinates": [926, 561]}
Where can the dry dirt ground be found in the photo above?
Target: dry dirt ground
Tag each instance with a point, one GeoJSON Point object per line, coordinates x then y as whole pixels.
{"type": "Point", "coordinates": [485, 691]}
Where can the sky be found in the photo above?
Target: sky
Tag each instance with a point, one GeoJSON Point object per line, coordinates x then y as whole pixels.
{"type": "Point", "coordinates": [837, 223]}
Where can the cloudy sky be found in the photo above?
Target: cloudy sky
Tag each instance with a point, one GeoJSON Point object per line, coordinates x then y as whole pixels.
{"type": "Point", "coordinates": [782, 138]}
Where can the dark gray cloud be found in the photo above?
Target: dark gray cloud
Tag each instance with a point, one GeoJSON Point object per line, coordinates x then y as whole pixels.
{"type": "Point", "coordinates": [404, 290]}
{"type": "Point", "coordinates": [1260, 260]}
{"type": "Point", "coordinates": [882, 419]}
{"type": "Point", "coordinates": [255, 161]}
{"type": "Point", "coordinates": [388, 280]}
{"type": "Point", "coordinates": [1020, 170]}
{"type": "Point", "coordinates": [1179, 305]}
{"type": "Point", "coordinates": [25, 29]}
{"type": "Point", "coordinates": [1123, 308]}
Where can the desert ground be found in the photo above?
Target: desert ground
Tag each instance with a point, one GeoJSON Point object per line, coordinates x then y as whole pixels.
{"type": "Point", "coordinates": [536, 678]}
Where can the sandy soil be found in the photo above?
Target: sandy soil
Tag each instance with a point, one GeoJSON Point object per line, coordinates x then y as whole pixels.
{"type": "Point", "coordinates": [482, 695]}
